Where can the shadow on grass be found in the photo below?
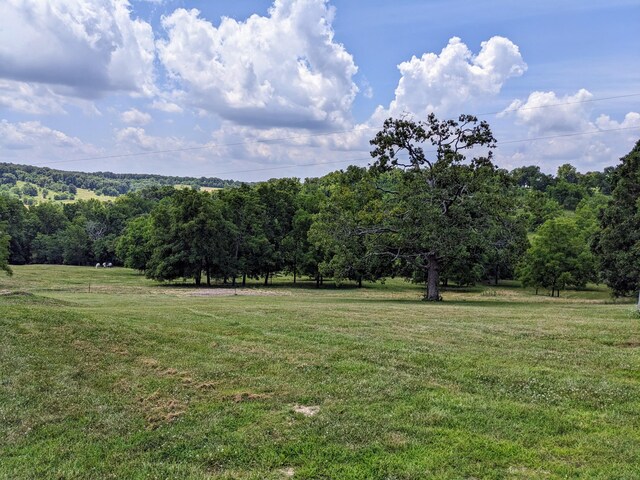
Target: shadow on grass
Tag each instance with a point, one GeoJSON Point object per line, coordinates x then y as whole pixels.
{"type": "Point", "coordinates": [302, 285]}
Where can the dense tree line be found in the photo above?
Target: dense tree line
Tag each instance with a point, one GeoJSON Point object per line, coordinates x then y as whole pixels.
{"type": "Point", "coordinates": [432, 208]}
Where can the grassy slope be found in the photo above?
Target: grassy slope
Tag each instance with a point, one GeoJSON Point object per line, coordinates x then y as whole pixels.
{"type": "Point", "coordinates": [81, 194]}
{"type": "Point", "coordinates": [135, 380]}
{"type": "Point", "coordinates": [84, 194]}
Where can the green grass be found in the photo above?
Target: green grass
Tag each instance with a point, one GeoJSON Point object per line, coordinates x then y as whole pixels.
{"type": "Point", "coordinates": [84, 194]}
{"type": "Point", "coordinates": [131, 379]}
{"type": "Point", "coordinates": [81, 194]}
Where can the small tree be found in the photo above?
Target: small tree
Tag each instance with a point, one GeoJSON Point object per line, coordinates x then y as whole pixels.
{"type": "Point", "coordinates": [559, 257]}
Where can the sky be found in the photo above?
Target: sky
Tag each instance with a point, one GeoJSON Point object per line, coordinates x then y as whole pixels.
{"type": "Point", "coordinates": [252, 89]}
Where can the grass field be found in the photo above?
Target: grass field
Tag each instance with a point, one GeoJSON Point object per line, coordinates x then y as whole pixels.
{"type": "Point", "coordinates": [81, 194]}
{"type": "Point", "coordinates": [104, 374]}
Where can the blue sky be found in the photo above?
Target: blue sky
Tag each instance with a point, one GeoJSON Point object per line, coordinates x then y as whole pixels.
{"type": "Point", "coordinates": [258, 89]}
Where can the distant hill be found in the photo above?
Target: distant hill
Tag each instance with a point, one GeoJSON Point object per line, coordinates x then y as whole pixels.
{"type": "Point", "coordinates": [35, 184]}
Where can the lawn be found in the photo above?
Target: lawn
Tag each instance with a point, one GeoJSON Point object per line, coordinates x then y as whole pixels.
{"type": "Point", "coordinates": [104, 374]}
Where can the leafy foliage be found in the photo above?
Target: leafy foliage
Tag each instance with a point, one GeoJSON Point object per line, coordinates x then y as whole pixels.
{"type": "Point", "coordinates": [65, 184]}
{"type": "Point", "coordinates": [617, 245]}
{"type": "Point", "coordinates": [444, 204]}
{"type": "Point", "coordinates": [4, 251]}
{"type": "Point", "coordinates": [433, 209]}
{"type": "Point", "coordinates": [559, 257]}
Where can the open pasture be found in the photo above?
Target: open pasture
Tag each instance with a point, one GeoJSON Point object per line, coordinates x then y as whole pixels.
{"type": "Point", "coordinates": [104, 374]}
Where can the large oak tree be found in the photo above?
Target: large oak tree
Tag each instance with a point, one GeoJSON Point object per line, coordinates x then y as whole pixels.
{"type": "Point", "coordinates": [444, 203]}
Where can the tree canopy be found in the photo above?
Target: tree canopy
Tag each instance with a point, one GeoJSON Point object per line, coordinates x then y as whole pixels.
{"type": "Point", "coordinates": [442, 204]}
{"type": "Point", "coordinates": [617, 245]}
{"type": "Point", "coordinates": [432, 208]}
{"type": "Point", "coordinates": [559, 257]}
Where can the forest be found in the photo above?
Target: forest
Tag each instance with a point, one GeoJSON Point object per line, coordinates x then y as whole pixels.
{"type": "Point", "coordinates": [436, 217]}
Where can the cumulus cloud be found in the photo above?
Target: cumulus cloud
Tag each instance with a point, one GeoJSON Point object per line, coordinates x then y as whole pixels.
{"type": "Point", "coordinates": [35, 143]}
{"type": "Point", "coordinates": [29, 134]}
{"type": "Point", "coordinates": [631, 120]}
{"type": "Point", "coordinates": [546, 112]}
{"type": "Point", "coordinates": [167, 107]}
{"type": "Point", "coordinates": [566, 133]}
{"type": "Point", "coordinates": [284, 69]}
{"type": "Point", "coordinates": [562, 129]}
{"type": "Point", "coordinates": [135, 117]}
{"type": "Point", "coordinates": [137, 137]}
{"type": "Point", "coordinates": [443, 83]}
{"type": "Point", "coordinates": [80, 48]}
{"type": "Point", "coordinates": [30, 98]}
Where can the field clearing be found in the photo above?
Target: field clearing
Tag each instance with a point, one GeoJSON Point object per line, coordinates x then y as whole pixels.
{"type": "Point", "coordinates": [81, 194]}
{"type": "Point", "coordinates": [104, 374]}
{"type": "Point", "coordinates": [84, 194]}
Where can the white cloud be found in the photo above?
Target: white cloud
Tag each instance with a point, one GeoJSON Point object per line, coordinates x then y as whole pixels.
{"type": "Point", "coordinates": [43, 144]}
{"type": "Point", "coordinates": [138, 138]}
{"type": "Point", "coordinates": [445, 82]}
{"type": "Point", "coordinates": [631, 119]}
{"type": "Point", "coordinates": [562, 130]}
{"type": "Point", "coordinates": [546, 112]}
{"type": "Point", "coordinates": [79, 48]}
{"type": "Point", "coordinates": [435, 82]}
{"type": "Point", "coordinates": [30, 98]}
{"type": "Point", "coordinates": [135, 117]}
{"type": "Point", "coordinates": [30, 134]}
{"type": "Point", "coordinates": [167, 107]}
{"type": "Point", "coordinates": [284, 69]}
{"type": "Point", "coordinates": [366, 88]}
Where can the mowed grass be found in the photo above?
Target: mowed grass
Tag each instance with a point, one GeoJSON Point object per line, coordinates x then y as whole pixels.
{"type": "Point", "coordinates": [104, 374]}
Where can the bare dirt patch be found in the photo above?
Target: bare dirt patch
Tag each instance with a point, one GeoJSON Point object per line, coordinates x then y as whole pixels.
{"type": "Point", "coordinates": [306, 410]}
{"type": "Point", "coordinates": [152, 364]}
{"type": "Point", "coordinates": [287, 472]}
{"type": "Point", "coordinates": [149, 362]}
{"type": "Point", "coordinates": [206, 385]}
{"type": "Point", "coordinates": [161, 409]}
{"type": "Point", "coordinates": [224, 292]}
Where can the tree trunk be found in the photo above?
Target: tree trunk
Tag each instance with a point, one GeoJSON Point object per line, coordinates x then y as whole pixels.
{"type": "Point", "coordinates": [317, 280]}
{"type": "Point", "coordinates": [294, 275]}
{"type": "Point", "coordinates": [244, 279]}
{"type": "Point", "coordinates": [359, 282]}
{"type": "Point", "coordinates": [198, 278]}
{"type": "Point", "coordinates": [497, 277]}
{"type": "Point", "coordinates": [208, 276]}
{"type": "Point", "coordinates": [639, 301]}
{"type": "Point", "coordinates": [266, 279]}
{"type": "Point", "coordinates": [233, 282]}
{"type": "Point", "coordinates": [433, 279]}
